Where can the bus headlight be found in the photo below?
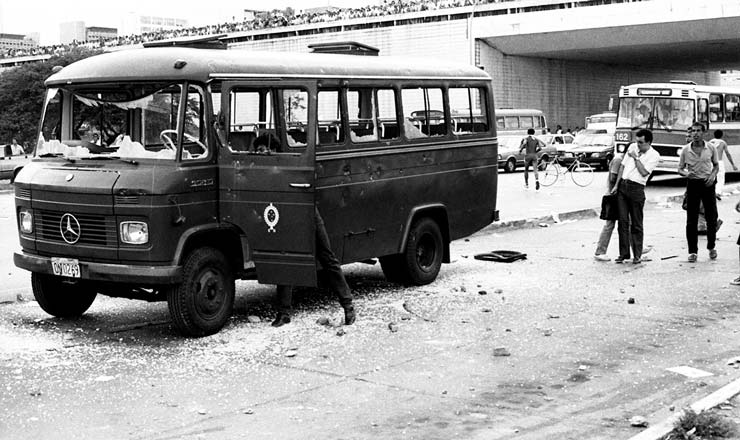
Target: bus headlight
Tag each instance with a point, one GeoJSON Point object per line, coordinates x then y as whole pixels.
{"type": "Point", "coordinates": [25, 217]}
{"type": "Point", "coordinates": [134, 232]}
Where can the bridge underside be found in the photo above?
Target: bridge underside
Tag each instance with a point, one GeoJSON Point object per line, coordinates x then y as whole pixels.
{"type": "Point", "coordinates": [672, 45]}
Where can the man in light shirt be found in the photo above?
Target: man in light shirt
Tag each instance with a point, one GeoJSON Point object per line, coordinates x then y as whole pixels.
{"type": "Point", "coordinates": [639, 161]}
{"type": "Point", "coordinates": [699, 163]}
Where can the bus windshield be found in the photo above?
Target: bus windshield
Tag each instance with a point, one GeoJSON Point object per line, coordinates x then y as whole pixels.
{"type": "Point", "coordinates": [135, 120]}
{"type": "Point", "coordinates": [656, 113]}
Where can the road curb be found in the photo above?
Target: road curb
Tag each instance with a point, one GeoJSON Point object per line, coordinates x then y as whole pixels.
{"type": "Point", "coordinates": [723, 394]}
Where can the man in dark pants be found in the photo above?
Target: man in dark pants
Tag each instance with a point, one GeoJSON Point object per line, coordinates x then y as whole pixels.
{"type": "Point", "coordinates": [335, 278]}
{"type": "Point", "coordinates": [639, 161]}
{"type": "Point", "coordinates": [700, 164]}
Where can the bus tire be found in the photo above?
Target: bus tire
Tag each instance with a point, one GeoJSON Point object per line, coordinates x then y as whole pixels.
{"type": "Point", "coordinates": [392, 266]}
{"type": "Point", "coordinates": [424, 252]}
{"type": "Point", "coordinates": [202, 304]}
{"type": "Point", "coordinates": [59, 298]}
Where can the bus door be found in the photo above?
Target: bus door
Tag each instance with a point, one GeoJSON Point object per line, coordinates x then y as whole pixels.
{"type": "Point", "coordinates": [267, 176]}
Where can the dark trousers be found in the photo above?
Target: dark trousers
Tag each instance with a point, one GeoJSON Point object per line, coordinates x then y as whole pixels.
{"type": "Point", "coordinates": [332, 269]}
{"type": "Point", "coordinates": [631, 197]}
{"type": "Point", "coordinates": [698, 192]}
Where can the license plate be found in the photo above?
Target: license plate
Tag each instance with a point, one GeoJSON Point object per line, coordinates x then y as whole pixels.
{"type": "Point", "coordinates": [65, 267]}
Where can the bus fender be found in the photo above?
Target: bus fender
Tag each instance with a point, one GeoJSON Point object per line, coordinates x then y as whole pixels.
{"type": "Point", "coordinates": [209, 234]}
{"type": "Point", "coordinates": [435, 211]}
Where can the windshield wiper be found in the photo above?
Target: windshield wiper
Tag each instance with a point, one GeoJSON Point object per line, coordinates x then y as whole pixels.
{"type": "Point", "coordinates": [131, 161]}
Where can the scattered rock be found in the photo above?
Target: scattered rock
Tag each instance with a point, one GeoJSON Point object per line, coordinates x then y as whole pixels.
{"type": "Point", "coordinates": [553, 316]}
{"type": "Point", "coordinates": [630, 300]}
{"type": "Point", "coordinates": [501, 351]}
{"type": "Point", "coordinates": [291, 353]}
{"type": "Point", "coordinates": [548, 332]}
{"type": "Point", "coordinates": [323, 321]}
{"type": "Point", "coordinates": [671, 408]}
{"type": "Point", "coordinates": [444, 392]}
{"type": "Point", "coordinates": [508, 330]}
{"type": "Point", "coordinates": [34, 393]}
{"type": "Point", "coordinates": [485, 310]}
{"type": "Point", "coordinates": [544, 225]}
{"type": "Point", "coordinates": [393, 327]}
{"type": "Point", "coordinates": [249, 411]}
{"type": "Point", "coordinates": [583, 367]}
{"type": "Point", "coordinates": [463, 289]}
{"type": "Point", "coordinates": [405, 318]}
{"type": "Point", "coordinates": [20, 298]}
{"type": "Point", "coordinates": [498, 291]}
{"type": "Point", "coordinates": [638, 422]}
{"type": "Point", "coordinates": [734, 361]}
{"type": "Point", "coordinates": [482, 292]}
{"type": "Point", "coordinates": [252, 319]}
{"type": "Point", "coordinates": [104, 378]}
{"type": "Point", "coordinates": [341, 332]}
{"type": "Point", "coordinates": [202, 412]}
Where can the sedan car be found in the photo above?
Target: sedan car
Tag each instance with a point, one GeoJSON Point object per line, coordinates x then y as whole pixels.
{"type": "Point", "coordinates": [509, 157]}
{"type": "Point", "coordinates": [595, 148]}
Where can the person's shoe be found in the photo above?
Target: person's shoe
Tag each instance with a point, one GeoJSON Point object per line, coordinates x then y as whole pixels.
{"type": "Point", "coordinates": [281, 320]}
{"type": "Point", "coordinates": [349, 315]}
{"type": "Point", "coordinates": [719, 223]}
{"type": "Point", "coordinates": [620, 260]}
{"type": "Point", "coordinates": [712, 254]}
{"type": "Point", "coordinates": [719, 197]}
{"type": "Point", "coordinates": [526, 186]}
{"type": "Point", "coordinates": [636, 260]}
{"type": "Point", "coordinates": [537, 185]}
{"type": "Point", "coordinates": [692, 258]}
{"type": "Point", "coordinates": [735, 282]}
{"type": "Point", "coordinates": [601, 257]}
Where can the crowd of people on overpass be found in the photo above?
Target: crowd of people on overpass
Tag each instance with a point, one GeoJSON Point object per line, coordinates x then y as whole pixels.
{"type": "Point", "coordinates": [266, 20]}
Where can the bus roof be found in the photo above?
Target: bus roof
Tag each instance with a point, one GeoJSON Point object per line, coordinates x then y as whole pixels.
{"type": "Point", "coordinates": [517, 112]}
{"type": "Point", "coordinates": [158, 63]}
{"type": "Point", "coordinates": [685, 86]}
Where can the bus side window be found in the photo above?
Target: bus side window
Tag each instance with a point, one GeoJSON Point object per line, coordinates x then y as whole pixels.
{"type": "Point", "coordinates": [468, 108]}
{"type": "Point", "coordinates": [732, 109]}
{"type": "Point", "coordinates": [329, 125]}
{"type": "Point", "coordinates": [423, 114]}
{"type": "Point", "coordinates": [387, 114]}
{"type": "Point", "coordinates": [362, 114]}
{"type": "Point", "coordinates": [715, 108]}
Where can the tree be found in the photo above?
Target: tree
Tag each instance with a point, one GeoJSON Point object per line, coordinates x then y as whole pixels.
{"type": "Point", "coordinates": [22, 95]}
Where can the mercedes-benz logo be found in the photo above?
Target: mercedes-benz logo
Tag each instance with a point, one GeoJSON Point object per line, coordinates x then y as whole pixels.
{"type": "Point", "coordinates": [70, 228]}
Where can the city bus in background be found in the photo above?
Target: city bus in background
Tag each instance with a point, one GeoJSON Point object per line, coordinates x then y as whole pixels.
{"type": "Point", "coordinates": [207, 166]}
{"type": "Point", "coordinates": [511, 121]}
{"type": "Point", "coordinates": [669, 109]}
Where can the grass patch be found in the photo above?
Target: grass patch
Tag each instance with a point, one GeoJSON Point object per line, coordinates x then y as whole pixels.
{"type": "Point", "coordinates": [706, 425]}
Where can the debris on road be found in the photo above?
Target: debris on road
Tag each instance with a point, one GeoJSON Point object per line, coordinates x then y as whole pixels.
{"type": "Point", "coordinates": [393, 327]}
{"type": "Point", "coordinates": [252, 319]}
{"type": "Point", "coordinates": [323, 321]}
{"type": "Point", "coordinates": [639, 422]}
{"type": "Point", "coordinates": [291, 353]}
{"type": "Point", "coordinates": [501, 351]}
{"type": "Point", "coordinates": [630, 300]}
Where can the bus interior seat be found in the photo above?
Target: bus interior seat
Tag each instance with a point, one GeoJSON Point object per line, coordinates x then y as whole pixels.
{"type": "Point", "coordinates": [241, 140]}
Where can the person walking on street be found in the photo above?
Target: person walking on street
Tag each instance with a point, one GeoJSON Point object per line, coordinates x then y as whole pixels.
{"type": "Point", "coordinates": [639, 161]}
{"type": "Point", "coordinates": [699, 164]}
{"type": "Point", "coordinates": [332, 268]}
{"type": "Point", "coordinates": [721, 146]}
{"type": "Point", "coordinates": [531, 145]}
{"type": "Point", "coordinates": [606, 231]}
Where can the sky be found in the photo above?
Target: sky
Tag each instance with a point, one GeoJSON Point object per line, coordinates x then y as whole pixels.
{"type": "Point", "coordinates": [44, 16]}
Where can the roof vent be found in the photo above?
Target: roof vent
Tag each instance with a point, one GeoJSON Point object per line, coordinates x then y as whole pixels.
{"type": "Point", "coordinates": [344, 48]}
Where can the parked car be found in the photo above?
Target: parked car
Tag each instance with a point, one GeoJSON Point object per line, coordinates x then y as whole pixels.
{"type": "Point", "coordinates": [9, 163]}
{"type": "Point", "coordinates": [557, 140]}
{"type": "Point", "coordinates": [509, 157]}
{"type": "Point", "coordinates": [597, 148]}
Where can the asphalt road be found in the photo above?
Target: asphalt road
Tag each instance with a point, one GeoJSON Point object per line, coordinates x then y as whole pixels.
{"type": "Point", "coordinates": [420, 363]}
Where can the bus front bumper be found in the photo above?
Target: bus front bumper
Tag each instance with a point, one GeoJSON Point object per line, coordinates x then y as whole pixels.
{"type": "Point", "coordinates": [116, 273]}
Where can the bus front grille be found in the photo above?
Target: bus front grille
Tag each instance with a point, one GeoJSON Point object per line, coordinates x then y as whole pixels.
{"type": "Point", "coordinates": [94, 230]}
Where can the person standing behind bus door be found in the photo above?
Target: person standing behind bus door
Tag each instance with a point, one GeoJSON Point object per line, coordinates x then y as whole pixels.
{"type": "Point", "coordinates": [721, 146]}
{"type": "Point", "coordinates": [532, 145]}
{"type": "Point", "coordinates": [639, 161]}
{"type": "Point", "coordinates": [698, 162]}
{"type": "Point", "coordinates": [332, 267]}
{"type": "Point", "coordinates": [16, 149]}
{"type": "Point", "coordinates": [606, 231]}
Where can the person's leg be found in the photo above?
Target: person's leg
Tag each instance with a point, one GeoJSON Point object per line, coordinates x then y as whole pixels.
{"type": "Point", "coordinates": [692, 216]}
{"type": "Point", "coordinates": [623, 227]}
{"type": "Point", "coordinates": [332, 267]}
{"type": "Point", "coordinates": [605, 237]}
{"type": "Point", "coordinates": [710, 214]}
{"type": "Point", "coordinates": [720, 179]}
{"type": "Point", "coordinates": [526, 171]}
{"type": "Point", "coordinates": [637, 204]}
{"type": "Point", "coordinates": [535, 165]}
{"type": "Point", "coordinates": [284, 305]}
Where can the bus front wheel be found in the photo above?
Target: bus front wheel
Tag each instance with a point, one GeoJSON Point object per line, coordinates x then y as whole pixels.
{"type": "Point", "coordinates": [61, 298]}
{"type": "Point", "coordinates": [202, 304]}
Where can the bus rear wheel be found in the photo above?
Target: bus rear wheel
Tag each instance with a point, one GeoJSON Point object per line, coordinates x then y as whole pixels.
{"type": "Point", "coordinates": [420, 262]}
{"type": "Point", "coordinates": [202, 304]}
{"type": "Point", "coordinates": [59, 297]}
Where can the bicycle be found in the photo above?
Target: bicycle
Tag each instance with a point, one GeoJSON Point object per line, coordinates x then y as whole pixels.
{"type": "Point", "coordinates": [581, 172]}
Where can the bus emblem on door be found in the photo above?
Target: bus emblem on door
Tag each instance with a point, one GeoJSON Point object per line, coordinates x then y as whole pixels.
{"type": "Point", "coordinates": [271, 216]}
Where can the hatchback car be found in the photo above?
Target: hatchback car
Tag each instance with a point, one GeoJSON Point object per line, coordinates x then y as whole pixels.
{"type": "Point", "coordinates": [509, 157]}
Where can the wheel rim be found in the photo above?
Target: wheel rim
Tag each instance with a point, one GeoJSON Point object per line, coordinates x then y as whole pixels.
{"type": "Point", "coordinates": [582, 174]}
{"type": "Point", "coordinates": [210, 293]}
{"type": "Point", "coordinates": [550, 176]}
{"type": "Point", "coordinates": [426, 252]}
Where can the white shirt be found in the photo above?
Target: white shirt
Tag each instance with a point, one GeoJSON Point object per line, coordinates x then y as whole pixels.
{"type": "Point", "coordinates": [649, 160]}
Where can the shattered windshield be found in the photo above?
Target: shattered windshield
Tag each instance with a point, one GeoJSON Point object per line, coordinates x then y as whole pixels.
{"type": "Point", "coordinates": [134, 121]}
{"type": "Point", "coordinates": [656, 113]}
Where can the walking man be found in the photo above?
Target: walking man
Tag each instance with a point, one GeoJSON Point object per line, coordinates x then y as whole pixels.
{"type": "Point", "coordinates": [639, 161]}
{"type": "Point", "coordinates": [335, 277]}
{"type": "Point", "coordinates": [721, 146]}
{"type": "Point", "coordinates": [532, 145]}
{"type": "Point", "coordinates": [699, 164]}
